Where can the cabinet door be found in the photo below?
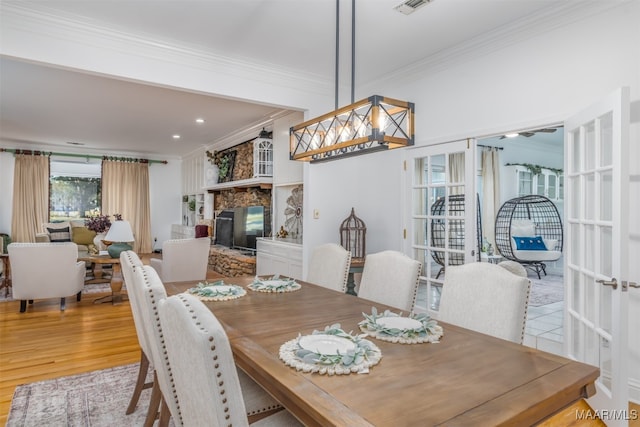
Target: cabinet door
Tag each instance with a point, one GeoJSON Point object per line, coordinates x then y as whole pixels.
{"type": "Point", "coordinates": [552, 186]}
{"type": "Point", "coordinates": [525, 183]}
{"type": "Point", "coordinates": [267, 264]}
{"type": "Point", "coordinates": [541, 184]}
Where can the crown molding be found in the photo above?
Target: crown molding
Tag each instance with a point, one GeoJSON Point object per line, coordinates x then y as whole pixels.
{"type": "Point", "coordinates": [40, 21]}
{"type": "Point", "coordinates": [548, 19]}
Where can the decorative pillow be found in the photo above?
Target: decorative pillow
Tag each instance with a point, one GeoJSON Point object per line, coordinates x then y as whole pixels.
{"type": "Point", "coordinates": [59, 234]}
{"type": "Point", "coordinates": [531, 243]}
{"type": "Point", "coordinates": [82, 235]}
{"type": "Point", "coordinates": [523, 227]}
{"type": "Point", "coordinates": [550, 244]}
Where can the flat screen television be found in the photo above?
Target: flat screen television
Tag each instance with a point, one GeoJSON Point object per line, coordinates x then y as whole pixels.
{"type": "Point", "coordinates": [249, 223]}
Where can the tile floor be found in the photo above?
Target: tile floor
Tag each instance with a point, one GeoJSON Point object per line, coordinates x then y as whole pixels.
{"type": "Point", "coordinates": [544, 328]}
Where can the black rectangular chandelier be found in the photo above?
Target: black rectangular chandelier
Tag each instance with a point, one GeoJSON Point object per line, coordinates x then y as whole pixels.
{"type": "Point", "coordinates": [372, 124]}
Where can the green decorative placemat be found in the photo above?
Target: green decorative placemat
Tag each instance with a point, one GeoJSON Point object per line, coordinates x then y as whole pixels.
{"type": "Point", "coordinates": [392, 327]}
{"type": "Point", "coordinates": [217, 291]}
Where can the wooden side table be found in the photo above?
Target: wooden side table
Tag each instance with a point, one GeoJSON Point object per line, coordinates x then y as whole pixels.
{"type": "Point", "coordinates": [115, 282]}
{"type": "Point", "coordinates": [357, 265]}
{"type": "Point", "coordinates": [6, 274]}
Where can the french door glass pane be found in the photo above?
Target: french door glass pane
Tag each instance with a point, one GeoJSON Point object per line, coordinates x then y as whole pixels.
{"type": "Point", "coordinates": [606, 140]}
{"type": "Point", "coordinates": [574, 160]}
{"type": "Point", "coordinates": [606, 195]}
{"type": "Point", "coordinates": [590, 149]}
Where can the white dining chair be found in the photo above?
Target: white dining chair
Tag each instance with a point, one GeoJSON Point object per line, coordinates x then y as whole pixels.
{"type": "Point", "coordinates": [485, 298]}
{"type": "Point", "coordinates": [183, 259]}
{"type": "Point", "coordinates": [150, 294]}
{"type": "Point", "coordinates": [129, 261]}
{"type": "Point", "coordinates": [514, 267]}
{"type": "Point", "coordinates": [391, 278]}
{"type": "Point", "coordinates": [204, 372]}
{"type": "Point", "coordinates": [329, 267]}
{"type": "Point", "coordinates": [146, 292]}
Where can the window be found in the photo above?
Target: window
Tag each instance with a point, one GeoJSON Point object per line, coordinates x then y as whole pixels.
{"type": "Point", "coordinates": [75, 189]}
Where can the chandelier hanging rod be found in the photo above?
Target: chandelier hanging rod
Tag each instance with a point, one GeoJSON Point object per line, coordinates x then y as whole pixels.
{"type": "Point", "coordinates": [372, 124]}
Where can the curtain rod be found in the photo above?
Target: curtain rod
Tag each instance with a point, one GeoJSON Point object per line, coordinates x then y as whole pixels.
{"type": "Point", "coordinates": [489, 146]}
{"type": "Point", "coordinates": [84, 156]}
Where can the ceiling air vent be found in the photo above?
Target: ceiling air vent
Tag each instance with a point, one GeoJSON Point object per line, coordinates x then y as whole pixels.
{"type": "Point", "coordinates": [410, 6]}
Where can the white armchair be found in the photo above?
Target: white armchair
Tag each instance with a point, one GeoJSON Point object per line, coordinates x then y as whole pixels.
{"type": "Point", "coordinates": [183, 259]}
{"type": "Point", "coordinates": [45, 270]}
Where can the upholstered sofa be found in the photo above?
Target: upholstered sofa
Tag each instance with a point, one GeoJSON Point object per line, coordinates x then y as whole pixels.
{"type": "Point", "coordinates": [68, 231]}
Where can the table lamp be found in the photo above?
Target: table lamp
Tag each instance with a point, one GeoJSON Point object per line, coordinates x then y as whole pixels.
{"type": "Point", "coordinates": [120, 234]}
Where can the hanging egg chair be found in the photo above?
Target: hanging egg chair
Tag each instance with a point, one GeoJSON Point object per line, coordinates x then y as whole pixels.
{"type": "Point", "coordinates": [529, 231]}
{"type": "Point", "coordinates": [456, 230]}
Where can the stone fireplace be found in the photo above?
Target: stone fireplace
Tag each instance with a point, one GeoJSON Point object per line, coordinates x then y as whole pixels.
{"type": "Point", "coordinates": [222, 259]}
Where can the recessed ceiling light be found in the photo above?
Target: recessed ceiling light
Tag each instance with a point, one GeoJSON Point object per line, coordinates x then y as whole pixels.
{"type": "Point", "coordinates": [199, 121]}
{"type": "Point", "coordinates": [176, 136]}
{"type": "Point", "coordinates": [511, 135]}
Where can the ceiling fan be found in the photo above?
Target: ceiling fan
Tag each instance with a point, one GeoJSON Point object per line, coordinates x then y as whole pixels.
{"type": "Point", "coordinates": [529, 133]}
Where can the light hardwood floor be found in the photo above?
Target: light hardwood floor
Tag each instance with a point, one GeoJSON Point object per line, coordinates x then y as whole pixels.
{"type": "Point", "coordinates": [44, 343]}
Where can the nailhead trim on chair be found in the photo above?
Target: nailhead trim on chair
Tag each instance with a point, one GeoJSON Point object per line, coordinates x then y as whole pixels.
{"type": "Point", "coordinates": [216, 365]}
{"type": "Point", "coordinates": [164, 347]}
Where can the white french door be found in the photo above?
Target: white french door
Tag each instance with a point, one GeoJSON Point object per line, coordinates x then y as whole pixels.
{"type": "Point", "coordinates": [596, 268]}
{"type": "Point", "coordinates": [440, 228]}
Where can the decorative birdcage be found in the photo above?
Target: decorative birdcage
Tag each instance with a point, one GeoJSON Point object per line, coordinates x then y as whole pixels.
{"type": "Point", "coordinates": [352, 235]}
{"type": "Point", "coordinates": [263, 155]}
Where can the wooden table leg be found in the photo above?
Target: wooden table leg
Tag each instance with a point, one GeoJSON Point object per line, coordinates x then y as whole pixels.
{"type": "Point", "coordinates": [116, 296]}
{"type": "Point", "coordinates": [99, 275]}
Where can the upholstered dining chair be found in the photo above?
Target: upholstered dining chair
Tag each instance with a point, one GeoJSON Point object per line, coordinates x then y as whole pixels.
{"type": "Point", "coordinates": [485, 298]}
{"type": "Point", "coordinates": [204, 372]}
{"type": "Point", "coordinates": [150, 293]}
{"type": "Point", "coordinates": [129, 261]}
{"type": "Point", "coordinates": [514, 267]}
{"type": "Point", "coordinates": [45, 270]}
{"type": "Point", "coordinates": [391, 278]}
{"type": "Point", "coordinates": [183, 259]}
{"type": "Point", "coordinates": [329, 267]}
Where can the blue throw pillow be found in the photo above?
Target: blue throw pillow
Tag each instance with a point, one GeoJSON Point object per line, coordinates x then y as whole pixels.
{"type": "Point", "coordinates": [534, 243]}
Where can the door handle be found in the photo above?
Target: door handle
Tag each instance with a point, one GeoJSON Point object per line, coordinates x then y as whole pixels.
{"type": "Point", "coordinates": [613, 283]}
{"type": "Point", "coordinates": [626, 284]}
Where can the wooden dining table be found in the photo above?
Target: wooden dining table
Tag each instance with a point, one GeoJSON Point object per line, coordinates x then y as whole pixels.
{"type": "Point", "coordinates": [467, 379]}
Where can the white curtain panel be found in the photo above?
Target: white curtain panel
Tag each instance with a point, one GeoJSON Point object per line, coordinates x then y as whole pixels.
{"type": "Point", "coordinates": [490, 192]}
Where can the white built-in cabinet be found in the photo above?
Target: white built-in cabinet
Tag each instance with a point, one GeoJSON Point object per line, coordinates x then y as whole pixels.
{"type": "Point", "coordinates": [279, 256]}
{"type": "Point", "coordinates": [282, 256]}
{"type": "Point", "coordinates": [196, 203]}
{"type": "Point", "coordinates": [523, 182]}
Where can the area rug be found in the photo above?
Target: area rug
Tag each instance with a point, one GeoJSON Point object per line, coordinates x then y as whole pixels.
{"type": "Point", "coordinates": [548, 289]}
{"type": "Point", "coordinates": [96, 399]}
{"type": "Point", "coordinates": [95, 288]}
